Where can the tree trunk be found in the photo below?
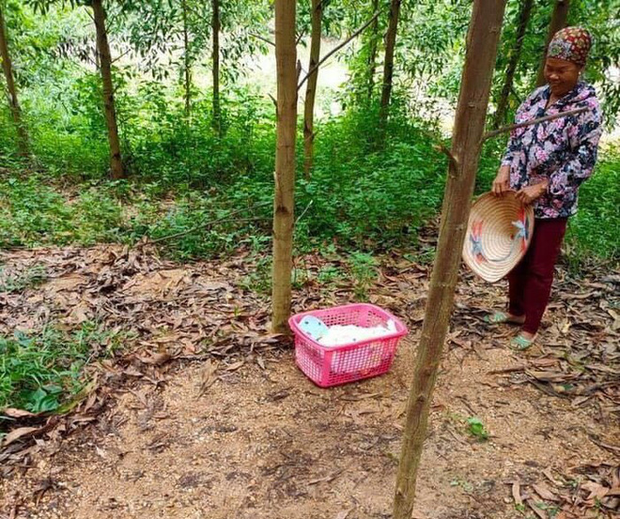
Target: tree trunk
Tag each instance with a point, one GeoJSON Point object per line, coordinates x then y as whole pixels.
{"type": "Point", "coordinates": [502, 105]}
{"type": "Point", "coordinates": [558, 21]}
{"type": "Point", "coordinates": [186, 64]}
{"type": "Point", "coordinates": [315, 55]}
{"type": "Point", "coordinates": [283, 214]}
{"type": "Point", "coordinates": [215, 27]}
{"type": "Point", "coordinates": [116, 164]}
{"type": "Point", "coordinates": [388, 66]}
{"type": "Point", "coordinates": [482, 40]}
{"type": "Point", "coordinates": [372, 52]}
{"type": "Point", "coordinates": [22, 135]}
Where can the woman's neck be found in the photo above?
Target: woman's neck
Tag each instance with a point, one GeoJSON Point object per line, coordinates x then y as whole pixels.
{"type": "Point", "coordinates": [554, 97]}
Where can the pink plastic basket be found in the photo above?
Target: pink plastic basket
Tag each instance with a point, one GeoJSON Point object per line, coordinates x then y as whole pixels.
{"type": "Point", "coordinates": [331, 366]}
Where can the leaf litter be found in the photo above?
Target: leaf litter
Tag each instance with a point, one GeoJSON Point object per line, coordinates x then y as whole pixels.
{"type": "Point", "coordinates": [204, 312]}
{"type": "Point", "coordinates": [586, 491]}
{"type": "Point", "coordinates": [170, 312]}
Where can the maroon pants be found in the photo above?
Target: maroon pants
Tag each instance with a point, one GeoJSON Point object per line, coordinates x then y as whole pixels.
{"type": "Point", "coordinates": [530, 281]}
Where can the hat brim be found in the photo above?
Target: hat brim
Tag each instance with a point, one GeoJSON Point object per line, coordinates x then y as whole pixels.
{"type": "Point", "coordinates": [499, 232]}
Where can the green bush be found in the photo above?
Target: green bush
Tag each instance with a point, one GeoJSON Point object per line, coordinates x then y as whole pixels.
{"type": "Point", "coordinates": [218, 191]}
{"type": "Point", "coordinates": [39, 372]}
{"type": "Point", "coordinates": [33, 213]}
{"type": "Point", "coordinates": [593, 231]}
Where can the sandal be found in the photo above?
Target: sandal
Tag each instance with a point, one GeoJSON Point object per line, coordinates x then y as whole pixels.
{"type": "Point", "coordinates": [520, 343]}
{"type": "Point", "coordinates": [499, 318]}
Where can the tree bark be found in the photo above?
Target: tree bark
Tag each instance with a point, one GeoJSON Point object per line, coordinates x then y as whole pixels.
{"type": "Point", "coordinates": [22, 134]}
{"type": "Point", "coordinates": [186, 63]}
{"type": "Point", "coordinates": [105, 59]}
{"type": "Point", "coordinates": [215, 27]}
{"type": "Point", "coordinates": [388, 67]}
{"type": "Point", "coordinates": [337, 48]}
{"type": "Point", "coordinates": [372, 53]}
{"type": "Point", "coordinates": [558, 21]}
{"type": "Point", "coordinates": [283, 214]}
{"type": "Point", "coordinates": [502, 105]}
{"type": "Point", "coordinates": [482, 40]}
{"type": "Point", "coordinates": [315, 55]}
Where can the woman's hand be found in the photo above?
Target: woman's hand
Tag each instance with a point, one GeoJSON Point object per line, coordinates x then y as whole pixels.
{"type": "Point", "coordinates": [501, 184]}
{"type": "Point", "coordinates": [529, 194]}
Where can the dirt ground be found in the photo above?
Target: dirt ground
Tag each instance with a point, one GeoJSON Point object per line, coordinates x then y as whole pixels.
{"type": "Point", "coordinates": [249, 436]}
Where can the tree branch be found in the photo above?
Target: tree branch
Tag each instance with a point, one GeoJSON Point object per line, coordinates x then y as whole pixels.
{"type": "Point", "coordinates": [440, 147]}
{"type": "Point", "coordinates": [304, 212]}
{"type": "Point", "coordinates": [300, 36]}
{"type": "Point", "coordinates": [259, 37]}
{"type": "Point", "coordinates": [299, 69]}
{"type": "Point", "coordinates": [198, 227]}
{"type": "Point", "coordinates": [121, 56]}
{"type": "Point", "coordinates": [505, 129]}
{"type": "Point", "coordinates": [336, 49]}
{"type": "Point", "coordinates": [514, 93]}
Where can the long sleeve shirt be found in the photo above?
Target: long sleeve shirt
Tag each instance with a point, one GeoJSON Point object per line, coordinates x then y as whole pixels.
{"type": "Point", "coordinates": [562, 150]}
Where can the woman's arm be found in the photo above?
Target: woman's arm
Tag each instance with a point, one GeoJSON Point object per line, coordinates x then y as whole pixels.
{"type": "Point", "coordinates": [519, 117]}
{"type": "Point", "coordinates": [580, 165]}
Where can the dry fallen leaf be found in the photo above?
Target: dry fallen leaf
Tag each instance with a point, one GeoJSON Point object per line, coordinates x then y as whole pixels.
{"type": "Point", "coordinates": [326, 479]}
{"type": "Point", "coordinates": [516, 493]}
{"type": "Point", "coordinates": [17, 413]}
{"type": "Point", "coordinates": [536, 509]}
{"type": "Point", "coordinates": [156, 359]}
{"type": "Point", "coordinates": [67, 282]}
{"type": "Point", "coordinates": [21, 432]}
{"type": "Point", "coordinates": [207, 377]}
{"type": "Point", "coordinates": [544, 492]}
{"type": "Point", "coordinates": [235, 366]}
{"type": "Point", "coordinates": [597, 491]}
{"type": "Point", "coordinates": [79, 314]}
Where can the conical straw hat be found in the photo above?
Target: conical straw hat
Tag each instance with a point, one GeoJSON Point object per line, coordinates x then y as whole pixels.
{"type": "Point", "coordinates": [499, 232]}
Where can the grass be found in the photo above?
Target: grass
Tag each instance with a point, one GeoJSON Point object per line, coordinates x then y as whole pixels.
{"type": "Point", "coordinates": [593, 231]}
{"type": "Point", "coordinates": [363, 268]}
{"type": "Point", "coordinates": [40, 372]}
{"type": "Point", "coordinates": [32, 276]}
{"type": "Point", "coordinates": [359, 198]}
{"type": "Point", "coordinates": [34, 212]}
{"type": "Point", "coordinates": [476, 428]}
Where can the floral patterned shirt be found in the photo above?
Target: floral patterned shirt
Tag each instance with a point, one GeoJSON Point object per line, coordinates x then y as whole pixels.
{"type": "Point", "coordinates": [562, 150]}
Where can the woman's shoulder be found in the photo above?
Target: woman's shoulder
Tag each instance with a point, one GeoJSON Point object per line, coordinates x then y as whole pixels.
{"type": "Point", "coordinates": [586, 98]}
{"type": "Point", "coordinates": [585, 94]}
{"type": "Point", "coordinates": [531, 103]}
{"type": "Point", "coordinates": [538, 94]}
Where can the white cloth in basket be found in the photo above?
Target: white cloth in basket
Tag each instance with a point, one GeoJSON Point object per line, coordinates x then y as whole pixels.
{"type": "Point", "coordinates": [339, 335]}
{"type": "Point", "coordinates": [370, 355]}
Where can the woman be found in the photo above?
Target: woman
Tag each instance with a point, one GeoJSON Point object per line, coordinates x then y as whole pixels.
{"type": "Point", "coordinates": [545, 163]}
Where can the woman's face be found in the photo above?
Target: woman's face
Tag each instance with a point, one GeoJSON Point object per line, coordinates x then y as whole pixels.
{"type": "Point", "coordinates": [561, 75]}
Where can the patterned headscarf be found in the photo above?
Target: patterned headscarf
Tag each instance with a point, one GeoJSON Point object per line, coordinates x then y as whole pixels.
{"type": "Point", "coordinates": [571, 44]}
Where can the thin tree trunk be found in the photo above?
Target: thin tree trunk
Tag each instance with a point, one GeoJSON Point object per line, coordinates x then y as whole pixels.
{"type": "Point", "coordinates": [558, 21]}
{"type": "Point", "coordinates": [315, 54]}
{"type": "Point", "coordinates": [372, 52]}
{"type": "Point", "coordinates": [283, 214]}
{"type": "Point", "coordinates": [116, 164]}
{"type": "Point", "coordinates": [215, 27]}
{"type": "Point", "coordinates": [186, 64]}
{"type": "Point", "coordinates": [22, 135]}
{"type": "Point", "coordinates": [502, 105]}
{"type": "Point", "coordinates": [388, 66]}
{"type": "Point", "coordinates": [482, 40]}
